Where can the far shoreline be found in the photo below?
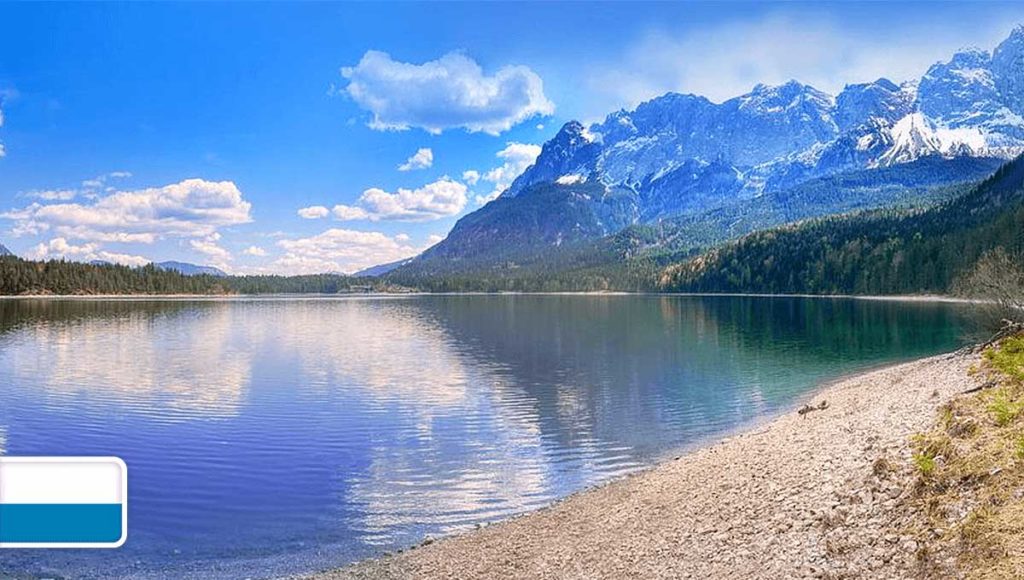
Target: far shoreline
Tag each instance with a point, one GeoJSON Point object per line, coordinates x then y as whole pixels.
{"type": "Point", "coordinates": [926, 298]}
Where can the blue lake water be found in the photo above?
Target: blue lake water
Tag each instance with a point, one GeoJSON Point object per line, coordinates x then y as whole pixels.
{"type": "Point", "coordinates": [269, 436]}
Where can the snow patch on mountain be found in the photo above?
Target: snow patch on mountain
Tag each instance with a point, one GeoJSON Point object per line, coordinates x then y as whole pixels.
{"type": "Point", "coordinates": [571, 179]}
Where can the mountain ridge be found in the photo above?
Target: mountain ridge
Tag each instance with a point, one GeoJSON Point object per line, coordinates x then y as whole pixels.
{"type": "Point", "coordinates": [682, 155]}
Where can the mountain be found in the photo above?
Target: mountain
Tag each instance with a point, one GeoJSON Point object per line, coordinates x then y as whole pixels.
{"type": "Point", "coordinates": [680, 157]}
{"type": "Point", "coordinates": [190, 269]}
{"type": "Point", "coordinates": [876, 252]}
{"type": "Point", "coordinates": [4, 251]}
{"type": "Point", "coordinates": [380, 269]}
{"type": "Point", "coordinates": [523, 252]}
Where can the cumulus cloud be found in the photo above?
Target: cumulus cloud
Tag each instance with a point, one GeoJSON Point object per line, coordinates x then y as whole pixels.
{"type": "Point", "coordinates": [442, 198]}
{"type": "Point", "coordinates": [516, 158]}
{"type": "Point", "coordinates": [422, 159]}
{"type": "Point", "coordinates": [211, 248]}
{"type": "Point", "coordinates": [341, 250]}
{"type": "Point", "coordinates": [314, 212]}
{"type": "Point", "coordinates": [59, 248]}
{"type": "Point", "coordinates": [349, 213]}
{"type": "Point", "coordinates": [471, 176]}
{"type": "Point", "coordinates": [193, 208]}
{"type": "Point", "coordinates": [450, 92]}
{"type": "Point", "coordinates": [254, 251]}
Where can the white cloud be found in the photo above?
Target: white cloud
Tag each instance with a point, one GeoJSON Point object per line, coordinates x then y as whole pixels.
{"type": "Point", "coordinates": [211, 248]}
{"type": "Point", "coordinates": [349, 213]}
{"type": "Point", "coordinates": [517, 157]}
{"type": "Point", "coordinates": [193, 208]}
{"type": "Point", "coordinates": [91, 188]}
{"type": "Point", "coordinates": [442, 198]}
{"type": "Point", "coordinates": [471, 176]}
{"type": "Point", "coordinates": [451, 92]}
{"type": "Point", "coordinates": [341, 250]}
{"type": "Point", "coordinates": [422, 159]}
{"type": "Point", "coordinates": [254, 251]}
{"type": "Point", "coordinates": [59, 248]}
{"type": "Point", "coordinates": [85, 233]}
{"type": "Point", "coordinates": [53, 194]}
{"type": "Point", "coordinates": [487, 198]}
{"type": "Point", "coordinates": [314, 212]}
{"type": "Point", "coordinates": [2, 150]}
{"type": "Point", "coordinates": [726, 60]}
{"type": "Point", "coordinates": [101, 180]}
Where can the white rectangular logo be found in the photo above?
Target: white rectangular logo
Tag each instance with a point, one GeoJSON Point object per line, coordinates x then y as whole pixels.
{"type": "Point", "coordinates": [63, 502]}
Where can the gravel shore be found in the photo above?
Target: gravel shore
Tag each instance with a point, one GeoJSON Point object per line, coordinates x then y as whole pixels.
{"type": "Point", "coordinates": [816, 495]}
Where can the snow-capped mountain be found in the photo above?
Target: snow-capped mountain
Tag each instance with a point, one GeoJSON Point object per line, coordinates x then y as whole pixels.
{"type": "Point", "coordinates": [678, 146]}
{"type": "Point", "coordinates": [775, 148]}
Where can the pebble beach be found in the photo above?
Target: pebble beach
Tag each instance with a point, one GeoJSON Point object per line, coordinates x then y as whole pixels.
{"type": "Point", "coordinates": [807, 495]}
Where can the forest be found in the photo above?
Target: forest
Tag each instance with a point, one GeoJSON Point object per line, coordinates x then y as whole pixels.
{"type": "Point", "coordinates": [21, 277]}
{"type": "Point", "coordinates": [875, 252]}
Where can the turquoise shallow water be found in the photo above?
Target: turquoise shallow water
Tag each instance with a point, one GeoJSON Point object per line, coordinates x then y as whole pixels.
{"type": "Point", "coordinates": [267, 436]}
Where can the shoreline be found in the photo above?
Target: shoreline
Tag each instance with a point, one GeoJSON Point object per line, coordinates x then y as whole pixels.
{"type": "Point", "coordinates": [770, 512]}
{"type": "Point", "coordinates": [926, 298]}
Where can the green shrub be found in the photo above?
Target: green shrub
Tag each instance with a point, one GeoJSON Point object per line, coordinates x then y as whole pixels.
{"type": "Point", "coordinates": [1008, 358]}
{"type": "Point", "coordinates": [1004, 409]}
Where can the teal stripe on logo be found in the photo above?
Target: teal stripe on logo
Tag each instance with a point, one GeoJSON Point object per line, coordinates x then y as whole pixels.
{"type": "Point", "coordinates": [60, 523]}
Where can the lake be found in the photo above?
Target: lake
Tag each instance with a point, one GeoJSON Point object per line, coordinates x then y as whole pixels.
{"type": "Point", "coordinates": [268, 436]}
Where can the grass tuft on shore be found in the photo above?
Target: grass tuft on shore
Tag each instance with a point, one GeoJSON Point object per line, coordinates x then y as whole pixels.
{"type": "Point", "coordinates": [970, 476]}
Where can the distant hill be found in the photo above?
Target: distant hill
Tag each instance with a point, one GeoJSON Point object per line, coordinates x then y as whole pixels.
{"type": "Point", "coordinates": [380, 269]}
{"type": "Point", "coordinates": [190, 269]}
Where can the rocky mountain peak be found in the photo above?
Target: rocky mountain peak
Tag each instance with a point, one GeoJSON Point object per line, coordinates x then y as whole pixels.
{"type": "Point", "coordinates": [789, 94]}
{"type": "Point", "coordinates": [861, 104]}
{"type": "Point", "coordinates": [572, 151]}
{"type": "Point", "coordinates": [960, 92]}
{"type": "Point", "coordinates": [1008, 70]}
{"type": "Point", "coordinates": [970, 57]}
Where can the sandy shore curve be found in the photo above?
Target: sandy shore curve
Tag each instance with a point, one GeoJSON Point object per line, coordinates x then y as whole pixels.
{"type": "Point", "coordinates": [798, 497]}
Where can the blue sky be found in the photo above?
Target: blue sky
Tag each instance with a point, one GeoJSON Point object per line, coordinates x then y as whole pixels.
{"type": "Point", "coordinates": [272, 137]}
